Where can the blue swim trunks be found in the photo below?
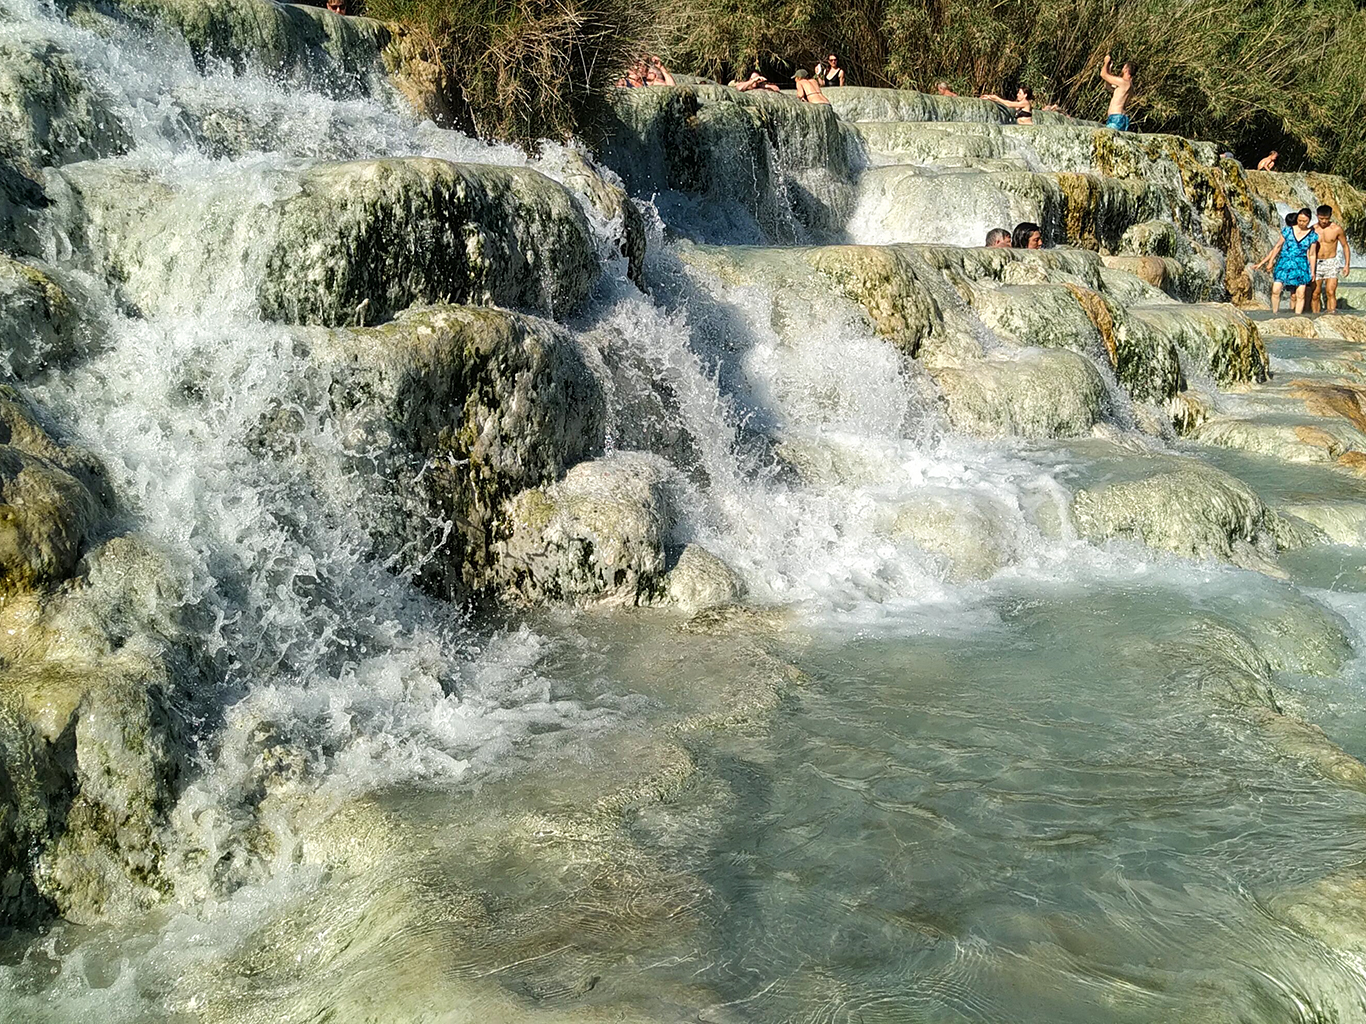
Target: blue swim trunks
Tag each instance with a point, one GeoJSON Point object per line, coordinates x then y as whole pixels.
{"type": "Point", "coordinates": [1119, 122]}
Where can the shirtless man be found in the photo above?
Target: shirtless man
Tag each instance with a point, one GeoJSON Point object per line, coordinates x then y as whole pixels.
{"type": "Point", "coordinates": [808, 88]}
{"type": "Point", "coordinates": [1332, 265]}
{"type": "Point", "coordinates": [1268, 162]}
{"type": "Point", "coordinates": [1120, 84]}
{"type": "Point", "coordinates": [943, 89]}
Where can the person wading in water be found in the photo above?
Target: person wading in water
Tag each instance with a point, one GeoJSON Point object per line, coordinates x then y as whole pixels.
{"type": "Point", "coordinates": [1295, 256]}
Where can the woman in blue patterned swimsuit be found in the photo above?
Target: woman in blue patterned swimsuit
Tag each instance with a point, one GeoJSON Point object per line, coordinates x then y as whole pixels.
{"type": "Point", "coordinates": [1294, 255]}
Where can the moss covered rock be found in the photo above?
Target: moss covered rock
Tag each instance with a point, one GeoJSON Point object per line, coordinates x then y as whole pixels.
{"type": "Point", "coordinates": [599, 534]}
{"type": "Point", "coordinates": [49, 112]}
{"type": "Point", "coordinates": [361, 241]}
{"type": "Point", "coordinates": [462, 408]}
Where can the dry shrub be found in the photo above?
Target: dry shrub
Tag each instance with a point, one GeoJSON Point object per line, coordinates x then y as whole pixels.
{"type": "Point", "coordinates": [525, 70]}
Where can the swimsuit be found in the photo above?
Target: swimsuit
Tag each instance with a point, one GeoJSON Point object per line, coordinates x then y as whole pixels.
{"type": "Point", "coordinates": [1292, 266]}
{"type": "Point", "coordinates": [1021, 114]}
{"type": "Point", "coordinates": [1329, 269]}
{"type": "Point", "coordinates": [1119, 122]}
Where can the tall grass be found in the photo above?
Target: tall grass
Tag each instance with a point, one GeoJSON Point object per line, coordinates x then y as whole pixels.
{"type": "Point", "coordinates": [524, 70]}
{"type": "Point", "coordinates": [1248, 74]}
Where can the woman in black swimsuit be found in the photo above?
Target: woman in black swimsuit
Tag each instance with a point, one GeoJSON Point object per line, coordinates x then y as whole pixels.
{"type": "Point", "coordinates": [1022, 104]}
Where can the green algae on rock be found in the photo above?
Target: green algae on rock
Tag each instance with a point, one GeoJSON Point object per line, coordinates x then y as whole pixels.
{"type": "Point", "coordinates": [1192, 510]}
{"type": "Point", "coordinates": [50, 114]}
{"type": "Point", "coordinates": [463, 407]}
{"type": "Point", "coordinates": [361, 241]}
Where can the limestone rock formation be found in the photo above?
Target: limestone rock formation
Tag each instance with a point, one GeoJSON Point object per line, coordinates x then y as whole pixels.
{"type": "Point", "coordinates": [601, 533]}
{"type": "Point", "coordinates": [94, 678]}
{"type": "Point", "coordinates": [1034, 393]}
{"type": "Point", "coordinates": [393, 233]}
{"type": "Point", "coordinates": [458, 408]}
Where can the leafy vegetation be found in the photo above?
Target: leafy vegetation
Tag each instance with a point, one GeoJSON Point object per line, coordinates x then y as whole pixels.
{"type": "Point", "coordinates": [1249, 74]}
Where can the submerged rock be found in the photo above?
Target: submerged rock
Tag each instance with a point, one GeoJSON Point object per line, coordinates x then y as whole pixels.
{"type": "Point", "coordinates": [970, 532]}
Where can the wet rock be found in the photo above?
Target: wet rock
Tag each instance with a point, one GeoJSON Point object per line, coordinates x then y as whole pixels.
{"type": "Point", "coordinates": [1195, 511]}
{"type": "Point", "coordinates": [94, 737]}
{"type": "Point", "coordinates": [699, 580]}
{"type": "Point", "coordinates": [1216, 335]}
{"type": "Point", "coordinates": [599, 534]}
{"type": "Point", "coordinates": [456, 409]}
{"type": "Point", "coordinates": [1030, 393]}
{"type": "Point", "coordinates": [309, 45]}
{"type": "Point", "coordinates": [1324, 441]}
{"type": "Point", "coordinates": [39, 325]}
{"type": "Point", "coordinates": [619, 216]}
{"type": "Point", "coordinates": [785, 169]}
{"type": "Point", "coordinates": [970, 532]}
{"type": "Point", "coordinates": [49, 112]}
{"type": "Point", "coordinates": [365, 240]}
{"type": "Point", "coordinates": [350, 243]}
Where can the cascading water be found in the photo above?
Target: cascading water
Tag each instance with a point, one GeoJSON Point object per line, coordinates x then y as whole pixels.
{"type": "Point", "coordinates": [1015, 720]}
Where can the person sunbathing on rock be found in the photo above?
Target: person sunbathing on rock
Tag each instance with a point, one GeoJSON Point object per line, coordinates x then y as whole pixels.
{"type": "Point", "coordinates": [1022, 104]}
{"type": "Point", "coordinates": [1296, 259]}
{"type": "Point", "coordinates": [634, 77]}
{"type": "Point", "coordinates": [1120, 84]}
{"type": "Point", "coordinates": [999, 238]}
{"type": "Point", "coordinates": [808, 89]}
{"type": "Point", "coordinates": [657, 74]}
{"type": "Point", "coordinates": [1027, 235]}
{"type": "Point", "coordinates": [754, 81]}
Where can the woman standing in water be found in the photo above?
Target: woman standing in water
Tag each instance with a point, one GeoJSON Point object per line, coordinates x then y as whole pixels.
{"type": "Point", "coordinates": [1295, 256]}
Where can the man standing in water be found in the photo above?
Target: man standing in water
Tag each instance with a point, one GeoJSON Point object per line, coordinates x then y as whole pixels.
{"type": "Point", "coordinates": [1332, 264]}
{"type": "Point", "coordinates": [1120, 84]}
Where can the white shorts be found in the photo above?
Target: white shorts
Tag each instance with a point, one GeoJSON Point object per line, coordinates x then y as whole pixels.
{"type": "Point", "coordinates": [1328, 269]}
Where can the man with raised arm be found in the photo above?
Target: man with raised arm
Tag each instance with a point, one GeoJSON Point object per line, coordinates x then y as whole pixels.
{"type": "Point", "coordinates": [1332, 264]}
{"type": "Point", "coordinates": [1119, 84]}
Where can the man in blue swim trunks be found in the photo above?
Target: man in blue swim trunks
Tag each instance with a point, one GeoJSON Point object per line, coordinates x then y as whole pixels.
{"type": "Point", "coordinates": [1120, 84]}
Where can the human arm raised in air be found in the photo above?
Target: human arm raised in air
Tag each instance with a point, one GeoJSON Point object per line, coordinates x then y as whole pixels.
{"type": "Point", "coordinates": [1012, 104]}
{"type": "Point", "coordinates": [1111, 79]}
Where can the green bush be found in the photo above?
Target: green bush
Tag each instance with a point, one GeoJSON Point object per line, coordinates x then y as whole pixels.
{"type": "Point", "coordinates": [524, 70]}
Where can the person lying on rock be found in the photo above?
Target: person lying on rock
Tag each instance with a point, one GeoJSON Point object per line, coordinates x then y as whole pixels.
{"type": "Point", "coordinates": [1332, 264]}
{"type": "Point", "coordinates": [1120, 84]}
{"type": "Point", "coordinates": [1268, 162]}
{"type": "Point", "coordinates": [656, 73]}
{"type": "Point", "coordinates": [754, 81]}
{"type": "Point", "coordinates": [999, 238]}
{"type": "Point", "coordinates": [1027, 235]}
{"type": "Point", "coordinates": [634, 77]}
{"type": "Point", "coordinates": [1296, 259]}
{"type": "Point", "coordinates": [1022, 104]}
{"type": "Point", "coordinates": [808, 89]}
{"type": "Point", "coordinates": [943, 89]}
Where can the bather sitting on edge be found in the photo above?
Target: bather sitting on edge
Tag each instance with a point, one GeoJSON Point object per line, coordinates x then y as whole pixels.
{"type": "Point", "coordinates": [754, 81]}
